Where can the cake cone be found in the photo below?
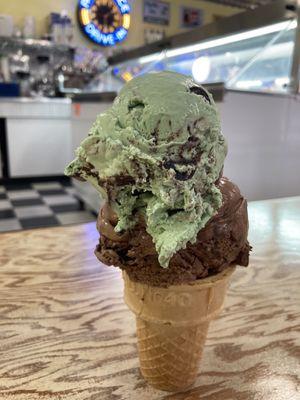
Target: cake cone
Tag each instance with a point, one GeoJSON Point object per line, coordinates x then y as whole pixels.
{"type": "Point", "coordinates": [172, 325]}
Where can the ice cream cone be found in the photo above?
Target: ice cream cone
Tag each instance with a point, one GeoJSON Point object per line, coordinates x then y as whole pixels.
{"type": "Point", "coordinates": [172, 325]}
{"type": "Point", "coordinates": [157, 157]}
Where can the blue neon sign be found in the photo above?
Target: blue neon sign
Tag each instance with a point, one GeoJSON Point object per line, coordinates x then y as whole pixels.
{"type": "Point", "coordinates": [93, 30]}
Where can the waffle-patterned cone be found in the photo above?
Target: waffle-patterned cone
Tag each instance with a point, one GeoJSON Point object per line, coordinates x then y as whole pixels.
{"type": "Point", "coordinates": [172, 325]}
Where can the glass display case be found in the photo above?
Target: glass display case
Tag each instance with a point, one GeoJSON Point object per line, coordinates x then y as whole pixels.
{"type": "Point", "coordinates": [258, 57]}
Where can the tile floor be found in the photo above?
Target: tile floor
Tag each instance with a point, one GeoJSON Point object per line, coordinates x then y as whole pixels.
{"type": "Point", "coordinates": [34, 205]}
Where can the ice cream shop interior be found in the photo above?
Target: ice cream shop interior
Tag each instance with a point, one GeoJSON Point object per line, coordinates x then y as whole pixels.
{"type": "Point", "coordinates": [149, 199]}
{"type": "Point", "coordinates": [62, 63]}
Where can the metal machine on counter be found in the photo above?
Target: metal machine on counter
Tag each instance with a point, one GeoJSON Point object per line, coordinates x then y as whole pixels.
{"type": "Point", "coordinates": [44, 68]}
{"type": "Point", "coordinates": [36, 128]}
{"type": "Point", "coordinates": [33, 64]}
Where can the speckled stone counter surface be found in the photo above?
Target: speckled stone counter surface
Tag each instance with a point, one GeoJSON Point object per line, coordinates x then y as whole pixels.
{"type": "Point", "coordinates": [65, 332]}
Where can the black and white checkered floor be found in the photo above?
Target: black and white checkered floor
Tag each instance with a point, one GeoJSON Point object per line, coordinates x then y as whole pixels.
{"type": "Point", "coordinates": [43, 204]}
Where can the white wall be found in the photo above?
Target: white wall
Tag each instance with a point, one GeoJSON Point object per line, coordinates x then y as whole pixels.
{"type": "Point", "coordinates": [263, 135]}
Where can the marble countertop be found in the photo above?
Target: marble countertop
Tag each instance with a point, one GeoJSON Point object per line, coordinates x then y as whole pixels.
{"type": "Point", "coordinates": [35, 100]}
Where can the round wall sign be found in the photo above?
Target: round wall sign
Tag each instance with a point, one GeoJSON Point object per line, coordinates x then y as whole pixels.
{"type": "Point", "coordinates": [105, 22]}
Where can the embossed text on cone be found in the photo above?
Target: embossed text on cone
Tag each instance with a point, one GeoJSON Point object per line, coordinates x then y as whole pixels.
{"type": "Point", "coordinates": [172, 325]}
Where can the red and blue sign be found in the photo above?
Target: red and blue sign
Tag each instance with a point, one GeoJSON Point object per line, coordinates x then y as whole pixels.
{"type": "Point", "coordinates": [105, 22]}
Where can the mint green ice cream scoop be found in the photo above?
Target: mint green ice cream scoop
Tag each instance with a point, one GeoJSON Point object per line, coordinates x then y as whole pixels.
{"type": "Point", "coordinates": [158, 151]}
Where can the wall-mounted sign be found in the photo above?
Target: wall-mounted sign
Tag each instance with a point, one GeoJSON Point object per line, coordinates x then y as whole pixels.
{"type": "Point", "coordinates": [105, 22]}
{"type": "Point", "coordinates": [153, 35]}
{"type": "Point", "coordinates": [156, 12]}
{"type": "Point", "coordinates": [191, 17]}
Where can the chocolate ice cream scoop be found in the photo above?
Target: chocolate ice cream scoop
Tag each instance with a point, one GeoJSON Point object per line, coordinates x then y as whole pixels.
{"type": "Point", "coordinates": [221, 243]}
